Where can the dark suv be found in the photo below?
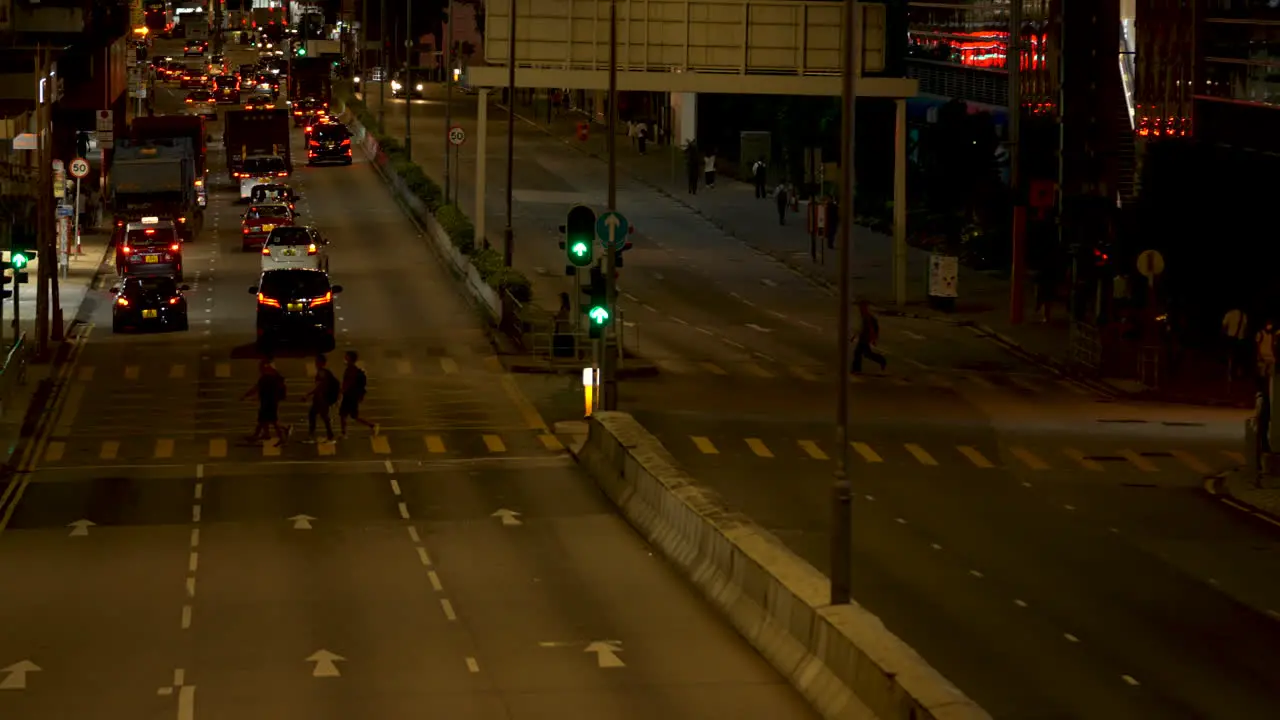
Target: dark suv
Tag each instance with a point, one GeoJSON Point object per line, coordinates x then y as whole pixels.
{"type": "Point", "coordinates": [329, 143]}
{"type": "Point", "coordinates": [295, 305]}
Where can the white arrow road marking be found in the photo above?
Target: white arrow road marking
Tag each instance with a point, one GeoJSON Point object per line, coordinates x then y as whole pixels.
{"type": "Point", "coordinates": [757, 328]}
{"type": "Point", "coordinates": [325, 663]}
{"type": "Point", "coordinates": [80, 527]}
{"type": "Point", "coordinates": [606, 654]}
{"type": "Point", "coordinates": [301, 522]}
{"type": "Point", "coordinates": [509, 518]}
{"type": "Point", "coordinates": [16, 675]}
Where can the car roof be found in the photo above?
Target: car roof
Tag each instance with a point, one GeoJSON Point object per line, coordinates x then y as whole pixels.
{"type": "Point", "coordinates": [293, 272]}
{"type": "Point", "coordinates": [264, 156]}
{"type": "Point", "coordinates": [158, 225]}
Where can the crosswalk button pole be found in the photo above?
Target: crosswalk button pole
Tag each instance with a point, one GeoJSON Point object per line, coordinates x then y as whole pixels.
{"type": "Point", "coordinates": [588, 389]}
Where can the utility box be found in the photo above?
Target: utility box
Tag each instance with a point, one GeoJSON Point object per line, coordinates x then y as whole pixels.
{"type": "Point", "coordinates": [753, 145]}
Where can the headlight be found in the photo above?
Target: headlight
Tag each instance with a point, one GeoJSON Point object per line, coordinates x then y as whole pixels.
{"type": "Point", "coordinates": [357, 79]}
{"type": "Point", "coordinates": [419, 87]}
{"type": "Point", "coordinates": [395, 85]}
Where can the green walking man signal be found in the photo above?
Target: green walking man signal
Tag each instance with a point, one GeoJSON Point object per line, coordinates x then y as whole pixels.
{"type": "Point", "coordinates": [579, 235]}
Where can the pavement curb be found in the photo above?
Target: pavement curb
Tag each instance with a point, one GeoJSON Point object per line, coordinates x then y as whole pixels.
{"type": "Point", "coordinates": [1220, 487]}
{"type": "Point", "coordinates": [841, 658]}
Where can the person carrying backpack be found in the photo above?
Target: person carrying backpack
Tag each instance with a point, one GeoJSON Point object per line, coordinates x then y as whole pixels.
{"type": "Point", "coordinates": [323, 394]}
{"type": "Point", "coordinates": [355, 386]}
{"type": "Point", "coordinates": [270, 391]}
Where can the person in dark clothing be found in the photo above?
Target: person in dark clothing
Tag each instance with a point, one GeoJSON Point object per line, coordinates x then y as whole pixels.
{"type": "Point", "coordinates": [323, 394]}
{"type": "Point", "coordinates": [868, 336]}
{"type": "Point", "coordinates": [355, 386]}
{"type": "Point", "coordinates": [692, 167]}
{"type": "Point", "coordinates": [833, 223]}
{"type": "Point", "coordinates": [642, 136]}
{"type": "Point", "coordinates": [270, 391]}
{"type": "Point", "coordinates": [782, 196]}
{"type": "Point", "coordinates": [760, 174]}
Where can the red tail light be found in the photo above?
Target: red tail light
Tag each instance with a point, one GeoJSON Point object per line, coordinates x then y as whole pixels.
{"type": "Point", "coordinates": [264, 300]}
{"type": "Point", "coordinates": [324, 300]}
{"type": "Point", "coordinates": [174, 300]}
{"type": "Point", "coordinates": [175, 247]}
{"type": "Point", "coordinates": [244, 230]}
{"type": "Point", "coordinates": [122, 301]}
{"type": "Point", "coordinates": [150, 232]}
{"type": "Point", "coordinates": [346, 142]}
{"type": "Point", "coordinates": [308, 129]}
{"type": "Point", "coordinates": [265, 251]}
{"type": "Point", "coordinates": [311, 249]}
{"type": "Point", "coordinates": [126, 249]}
{"type": "Point", "coordinates": [282, 174]}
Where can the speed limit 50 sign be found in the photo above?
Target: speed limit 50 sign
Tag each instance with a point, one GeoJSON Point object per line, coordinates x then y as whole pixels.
{"type": "Point", "coordinates": [79, 168]}
{"type": "Point", "coordinates": [457, 135]}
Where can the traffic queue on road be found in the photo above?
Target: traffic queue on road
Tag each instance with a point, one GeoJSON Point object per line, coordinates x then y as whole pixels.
{"type": "Point", "coordinates": [161, 191]}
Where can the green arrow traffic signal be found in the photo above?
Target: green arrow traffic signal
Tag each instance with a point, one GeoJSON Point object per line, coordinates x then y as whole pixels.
{"type": "Point", "coordinates": [579, 250]}
{"type": "Point", "coordinates": [599, 315]}
{"type": "Point", "coordinates": [302, 51]}
{"type": "Point", "coordinates": [580, 235]}
{"type": "Point", "coordinates": [18, 261]}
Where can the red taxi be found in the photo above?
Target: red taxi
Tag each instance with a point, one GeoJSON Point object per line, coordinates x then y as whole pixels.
{"type": "Point", "coordinates": [259, 220]}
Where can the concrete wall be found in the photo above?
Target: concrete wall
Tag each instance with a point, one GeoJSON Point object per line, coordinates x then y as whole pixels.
{"type": "Point", "coordinates": [842, 658]}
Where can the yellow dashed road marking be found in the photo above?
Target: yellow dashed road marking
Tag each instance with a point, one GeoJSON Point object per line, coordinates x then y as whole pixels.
{"type": "Point", "coordinates": [403, 367]}
{"type": "Point", "coordinates": [1192, 462]}
{"type": "Point", "coordinates": [270, 449]}
{"type": "Point", "coordinates": [705, 446]}
{"type": "Point", "coordinates": [110, 449]}
{"type": "Point", "coordinates": [803, 374]}
{"type": "Point", "coordinates": [380, 444]}
{"type": "Point", "coordinates": [1138, 461]}
{"type": "Point", "coordinates": [327, 448]}
{"type": "Point", "coordinates": [551, 442]}
{"type": "Point", "coordinates": [53, 452]}
{"type": "Point", "coordinates": [920, 454]}
{"type": "Point", "coordinates": [130, 372]}
{"type": "Point", "coordinates": [494, 444]}
{"type": "Point", "coordinates": [713, 368]}
{"type": "Point", "coordinates": [434, 444]}
{"type": "Point", "coordinates": [217, 447]}
{"type": "Point", "coordinates": [974, 456]}
{"type": "Point", "coordinates": [867, 453]}
{"type": "Point", "coordinates": [812, 450]}
{"type": "Point", "coordinates": [164, 448]}
{"type": "Point", "coordinates": [1235, 457]}
{"type": "Point", "coordinates": [756, 371]}
{"type": "Point", "coordinates": [1085, 462]}
{"type": "Point", "coordinates": [448, 365]}
{"type": "Point", "coordinates": [673, 366]}
{"type": "Point", "coordinates": [980, 381]}
{"type": "Point", "coordinates": [759, 448]}
{"type": "Point", "coordinates": [177, 370]}
{"type": "Point", "coordinates": [1028, 458]}
{"type": "Point", "coordinates": [222, 370]}
{"type": "Point", "coordinates": [86, 373]}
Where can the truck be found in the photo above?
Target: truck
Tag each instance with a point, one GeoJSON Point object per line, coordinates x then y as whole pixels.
{"type": "Point", "coordinates": [191, 127]}
{"type": "Point", "coordinates": [156, 178]}
{"type": "Point", "coordinates": [310, 77]}
{"type": "Point", "coordinates": [255, 132]}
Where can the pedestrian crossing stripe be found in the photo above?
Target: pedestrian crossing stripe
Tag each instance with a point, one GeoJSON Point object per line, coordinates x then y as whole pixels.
{"type": "Point", "coordinates": [247, 370]}
{"type": "Point", "coordinates": [1018, 457]}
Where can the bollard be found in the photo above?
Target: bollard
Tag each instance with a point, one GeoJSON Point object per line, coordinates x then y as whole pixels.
{"type": "Point", "coordinates": [588, 389]}
{"type": "Point", "coordinates": [583, 131]}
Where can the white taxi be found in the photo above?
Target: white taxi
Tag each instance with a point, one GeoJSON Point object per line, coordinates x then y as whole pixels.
{"type": "Point", "coordinates": [260, 170]}
{"type": "Point", "coordinates": [296, 246]}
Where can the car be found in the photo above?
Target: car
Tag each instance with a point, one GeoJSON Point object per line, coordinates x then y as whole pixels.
{"type": "Point", "coordinates": [226, 90]}
{"type": "Point", "coordinates": [199, 96]}
{"type": "Point", "coordinates": [399, 90]}
{"type": "Point", "coordinates": [149, 302]}
{"type": "Point", "coordinates": [306, 108]}
{"type": "Point", "coordinates": [329, 143]}
{"type": "Point", "coordinates": [193, 79]}
{"type": "Point", "coordinates": [150, 247]}
{"type": "Point", "coordinates": [217, 64]}
{"type": "Point", "coordinates": [206, 110]}
{"type": "Point", "coordinates": [258, 222]}
{"type": "Point", "coordinates": [267, 84]}
{"type": "Point", "coordinates": [260, 170]}
{"type": "Point", "coordinates": [247, 71]}
{"type": "Point", "coordinates": [195, 48]}
{"type": "Point", "coordinates": [173, 71]}
{"type": "Point", "coordinates": [275, 192]}
{"type": "Point", "coordinates": [295, 304]}
{"type": "Point", "coordinates": [260, 103]}
{"type": "Point", "coordinates": [295, 246]}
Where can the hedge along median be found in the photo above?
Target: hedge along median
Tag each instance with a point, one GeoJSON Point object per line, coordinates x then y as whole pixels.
{"type": "Point", "coordinates": [487, 279]}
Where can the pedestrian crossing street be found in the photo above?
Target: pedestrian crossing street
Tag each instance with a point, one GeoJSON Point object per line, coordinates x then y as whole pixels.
{"type": "Point", "coordinates": [784, 454]}
{"type": "Point", "coordinates": [1020, 383]}
{"type": "Point", "coordinates": [361, 444]}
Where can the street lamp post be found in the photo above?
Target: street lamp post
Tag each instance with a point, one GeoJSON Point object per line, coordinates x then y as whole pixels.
{"type": "Point", "coordinates": [408, 80]}
{"type": "Point", "coordinates": [841, 488]}
{"type": "Point", "coordinates": [446, 32]}
{"type": "Point", "coordinates": [508, 235]}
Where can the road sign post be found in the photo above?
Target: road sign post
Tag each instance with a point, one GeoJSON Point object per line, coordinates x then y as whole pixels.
{"type": "Point", "coordinates": [79, 168]}
{"type": "Point", "coordinates": [457, 137]}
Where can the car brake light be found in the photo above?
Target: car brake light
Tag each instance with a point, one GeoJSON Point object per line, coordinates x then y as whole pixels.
{"type": "Point", "coordinates": [150, 232]}
{"type": "Point", "coordinates": [265, 251]}
{"type": "Point", "coordinates": [323, 300]}
{"type": "Point", "coordinates": [175, 247]}
{"type": "Point", "coordinates": [126, 249]}
{"type": "Point", "coordinates": [311, 249]}
{"type": "Point", "coordinates": [346, 142]}
{"type": "Point", "coordinates": [182, 220]}
{"type": "Point", "coordinates": [308, 129]}
{"type": "Point", "coordinates": [281, 174]}
{"type": "Point", "coordinates": [190, 100]}
{"type": "Point", "coordinates": [174, 300]}
{"type": "Point", "coordinates": [122, 301]}
{"type": "Point", "coordinates": [245, 230]}
{"type": "Point", "coordinates": [264, 300]}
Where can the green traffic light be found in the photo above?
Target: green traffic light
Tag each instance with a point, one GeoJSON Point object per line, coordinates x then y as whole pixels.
{"type": "Point", "coordinates": [302, 52]}
{"type": "Point", "coordinates": [599, 315]}
{"type": "Point", "coordinates": [18, 260]}
{"type": "Point", "coordinates": [580, 249]}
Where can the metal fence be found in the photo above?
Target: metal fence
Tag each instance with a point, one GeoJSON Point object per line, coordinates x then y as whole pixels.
{"type": "Point", "coordinates": [1086, 348]}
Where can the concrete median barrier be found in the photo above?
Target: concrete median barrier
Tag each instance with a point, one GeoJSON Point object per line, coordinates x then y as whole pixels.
{"type": "Point", "coordinates": [842, 658]}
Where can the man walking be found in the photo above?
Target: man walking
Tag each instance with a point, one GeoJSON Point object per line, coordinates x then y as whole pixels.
{"type": "Point", "coordinates": [782, 197]}
{"type": "Point", "coordinates": [354, 387]}
{"type": "Point", "coordinates": [868, 336]}
{"type": "Point", "coordinates": [270, 391]}
{"type": "Point", "coordinates": [759, 173]}
{"type": "Point", "coordinates": [323, 394]}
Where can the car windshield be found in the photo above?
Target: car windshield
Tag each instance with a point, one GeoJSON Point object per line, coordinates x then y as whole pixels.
{"type": "Point", "coordinates": [150, 236]}
{"type": "Point", "coordinates": [264, 165]}
{"type": "Point", "coordinates": [294, 284]}
{"type": "Point", "coordinates": [262, 193]}
{"type": "Point", "coordinates": [331, 133]}
{"type": "Point", "coordinates": [290, 236]}
{"type": "Point", "coordinates": [200, 95]}
{"type": "Point", "coordinates": [150, 286]}
{"type": "Point", "coordinates": [268, 212]}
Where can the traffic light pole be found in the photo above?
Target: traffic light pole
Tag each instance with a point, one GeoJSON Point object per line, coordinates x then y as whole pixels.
{"type": "Point", "coordinates": [608, 359]}
{"type": "Point", "coordinates": [44, 210]}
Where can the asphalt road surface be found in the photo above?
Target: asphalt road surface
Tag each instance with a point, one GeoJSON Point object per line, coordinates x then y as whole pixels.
{"type": "Point", "coordinates": [455, 565]}
{"type": "Point", "coordinates": [1047, 548]}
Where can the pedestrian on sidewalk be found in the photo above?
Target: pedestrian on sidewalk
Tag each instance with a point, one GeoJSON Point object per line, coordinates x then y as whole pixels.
{"type": "Point", "coordinates": [1265, 349]}
{"type": "Point", "coordinates": [692, 166]}
{"type": "Point", "coordinates": [1235, 329]}
{"type": "Point", "coordinates": [270, 391]}
{"type": "Point", "coordinates": [709, 169]}
{"type": "Point", "coordinates": [759, 173]}
{"type": "Point", "coordinates": [782, 196]}
{"type": "Point", "coordinates": [833, 222]}
{"type": "Point", "coordinates": [866, 339]}
{"type": "Point", "coordinates": [642, 136]}
{"type": "Point", "coordinates": [324, 392]}
{"type": "Point", "coordinates": [355, 385]}
{"type": "Point", "coordinates": [631, 133]}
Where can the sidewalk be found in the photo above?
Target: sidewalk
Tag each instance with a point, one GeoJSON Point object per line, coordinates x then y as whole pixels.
{"type": "Point", "coordinates": [1238, 489]}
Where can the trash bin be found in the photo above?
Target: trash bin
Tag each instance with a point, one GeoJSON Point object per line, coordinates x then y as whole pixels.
{"type": "Point", "coordinates": [584, 131]}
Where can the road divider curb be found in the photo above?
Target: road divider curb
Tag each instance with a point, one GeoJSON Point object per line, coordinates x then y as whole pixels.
{"type": "Point", "coordinates": [841, 658]}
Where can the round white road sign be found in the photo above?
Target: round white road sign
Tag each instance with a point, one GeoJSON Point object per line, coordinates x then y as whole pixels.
{"type": "Point", "coordinates": [457, 135]}
{"type": "Point", "coordinates": [79, 167]}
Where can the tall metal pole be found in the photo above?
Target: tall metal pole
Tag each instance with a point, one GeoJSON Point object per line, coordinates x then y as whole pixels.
{"type": "Point", "coordinates": [841, 489]}
{"type": "Point", "coordinates": [363, 39]}
{"type": "Point", "coordinates": [1018, 272]}
{"type": "Point", "coordinates": [508, 235]}
{"type": "Point", "coordinates": [408, 79]}
{"type": "Point", "coordinates": [446, 32]}
{"type": "Point", "coordinates": [44, 208]}
{"type": "Point", "coordinates": [382, 60]}
{"type": "Point", "coordinates": [609, 359]}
